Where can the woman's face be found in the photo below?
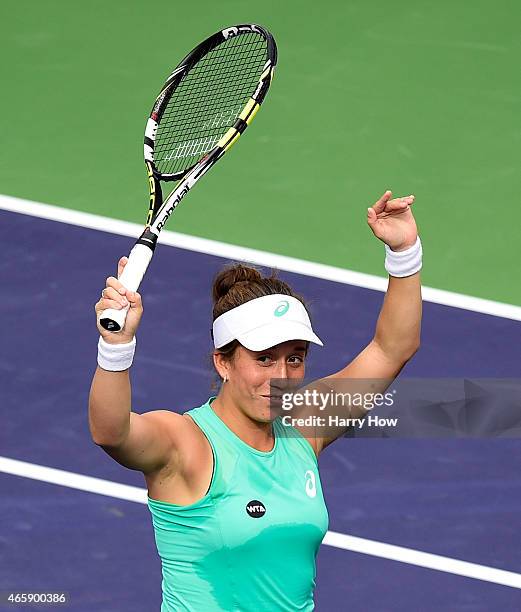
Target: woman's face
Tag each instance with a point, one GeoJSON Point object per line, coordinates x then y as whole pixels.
{"type": "Point", "coordinates": [249, 374]}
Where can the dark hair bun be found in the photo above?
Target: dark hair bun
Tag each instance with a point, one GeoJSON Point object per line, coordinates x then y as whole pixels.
{"type": "Point", "coordinates": [238, 283]}
{"type": "Point", "coordinates": [231, 276]}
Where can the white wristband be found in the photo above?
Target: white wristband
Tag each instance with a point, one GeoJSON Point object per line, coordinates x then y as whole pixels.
{"type": "Point", "coordinates": [115, 357]}
{"type": "Point", "coordinates": [404, 263]}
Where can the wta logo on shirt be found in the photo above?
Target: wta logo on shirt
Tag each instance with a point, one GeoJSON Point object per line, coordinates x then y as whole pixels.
{"type": "Point", "coordinates": [311, 485]}
{"type": "Point", "coordinates": [255, 508]}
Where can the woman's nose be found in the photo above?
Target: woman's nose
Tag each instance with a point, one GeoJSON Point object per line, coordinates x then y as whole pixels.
{"type": "Point", "coordinates": [281, 370]}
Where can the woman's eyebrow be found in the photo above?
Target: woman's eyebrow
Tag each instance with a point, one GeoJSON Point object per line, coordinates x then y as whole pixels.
{"type": "Point", "coordinates": [300, 347]}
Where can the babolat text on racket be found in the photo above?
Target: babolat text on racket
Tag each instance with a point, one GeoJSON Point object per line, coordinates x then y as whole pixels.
{"type": "Point", "coordinates": [205, 105]}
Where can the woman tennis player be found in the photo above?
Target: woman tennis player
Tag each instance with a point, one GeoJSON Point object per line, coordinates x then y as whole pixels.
{"type": "Point", "coordinates": [236, 502]}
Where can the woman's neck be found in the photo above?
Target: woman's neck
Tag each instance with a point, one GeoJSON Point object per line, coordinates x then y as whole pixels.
{"type": "Point", "coordinates": [258, 435]}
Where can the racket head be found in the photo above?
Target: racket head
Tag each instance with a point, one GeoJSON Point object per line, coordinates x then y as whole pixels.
{"type": "Point", "coordinates": [207, 102]}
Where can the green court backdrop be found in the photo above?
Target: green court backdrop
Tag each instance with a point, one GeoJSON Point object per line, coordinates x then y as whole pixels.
{"type": "Point", "coordinates": [421, 97]}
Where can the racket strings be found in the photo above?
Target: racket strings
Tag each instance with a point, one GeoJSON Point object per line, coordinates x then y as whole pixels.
{"type": "Point", "coordinates": [214, 78]}
{"type": "Point", "coordinates": [208, 102]}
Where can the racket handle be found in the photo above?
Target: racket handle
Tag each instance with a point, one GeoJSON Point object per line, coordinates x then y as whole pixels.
{"type": "Point", "coordinates": [111, 319]}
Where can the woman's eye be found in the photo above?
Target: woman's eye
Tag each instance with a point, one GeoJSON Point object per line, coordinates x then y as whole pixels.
{"type": "Point", "coordinates": [264, 358]}
{"type": "Point", "coordinates": [296, 360]}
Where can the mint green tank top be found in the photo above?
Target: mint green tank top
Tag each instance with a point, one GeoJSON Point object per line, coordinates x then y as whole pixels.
{"type": "Point", "coordinates": [250, 543]}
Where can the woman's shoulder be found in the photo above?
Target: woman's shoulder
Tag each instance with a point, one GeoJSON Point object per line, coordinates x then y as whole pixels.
{"type": "Point", "coordinates": [177, 425]}
{"type": "Point", "coordinates": [187, 440]}
{"type": "Point", "coordinates": [173, 418]}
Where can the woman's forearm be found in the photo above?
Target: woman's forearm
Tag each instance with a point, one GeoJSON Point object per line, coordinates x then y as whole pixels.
{"type": "Point", "coordinates": [110, 393]}
{"type": "Point", "coordinates": [109, 406]}
{"type": "Point", "coordinates": [399, 323]}
{"type": "Point", "coordinates": [397, 332]}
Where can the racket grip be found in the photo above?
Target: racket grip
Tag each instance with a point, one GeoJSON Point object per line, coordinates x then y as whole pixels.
{"type": "Point", "coordinates": [111, 319]}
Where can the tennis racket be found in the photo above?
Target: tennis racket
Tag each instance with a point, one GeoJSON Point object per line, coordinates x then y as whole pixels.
{"type": "Point", "coordinates": [205, 105]}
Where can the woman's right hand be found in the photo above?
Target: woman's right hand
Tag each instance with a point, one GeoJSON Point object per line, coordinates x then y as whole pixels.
{"type": "Point", "coordinates": [116, 296]}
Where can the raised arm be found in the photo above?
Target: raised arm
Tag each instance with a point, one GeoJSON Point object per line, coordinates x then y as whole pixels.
{"type": "Point", "coordinates": [140, 442]}
{"type": "Point", "coordinates": [397, 334]}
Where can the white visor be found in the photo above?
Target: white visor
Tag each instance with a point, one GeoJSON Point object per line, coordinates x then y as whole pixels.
{"type": "Point", "coordinates": [264, 322]}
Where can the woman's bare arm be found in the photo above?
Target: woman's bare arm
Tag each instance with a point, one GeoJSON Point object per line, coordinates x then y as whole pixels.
{"type": "Point", "coordinates": [396, 338]}
{"type": "Point", "coordinates": [138, 441]}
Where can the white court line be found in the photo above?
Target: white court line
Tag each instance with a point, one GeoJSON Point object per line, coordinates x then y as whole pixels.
{"type": "Point", "coordinates": [423, 559]}
{"type": "Point", "coordinates": [263, 258]}
{"type": "Point", "coordinates": [72, 480]}
{"type": "Point", "coordinates": [337, 540]}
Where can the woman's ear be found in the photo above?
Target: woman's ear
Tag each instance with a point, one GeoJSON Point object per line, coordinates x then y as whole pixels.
{"type": "Point", "coordinates": [221, 365]}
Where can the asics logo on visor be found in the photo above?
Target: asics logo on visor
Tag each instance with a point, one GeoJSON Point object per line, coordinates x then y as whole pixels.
{"type": "Point", "coordinates": [281, 309]}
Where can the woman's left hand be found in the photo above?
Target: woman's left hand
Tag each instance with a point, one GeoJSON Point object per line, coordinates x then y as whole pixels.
{"type": "Point", "coordinates": [392, 221]}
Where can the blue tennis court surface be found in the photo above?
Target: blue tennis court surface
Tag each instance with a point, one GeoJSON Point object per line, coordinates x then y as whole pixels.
{"type": "Point", "coordinates": [459, 498]}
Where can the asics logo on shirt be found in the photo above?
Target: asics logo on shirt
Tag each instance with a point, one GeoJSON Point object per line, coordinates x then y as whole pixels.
{"type": "Point", "coordinates": [311, 486]}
